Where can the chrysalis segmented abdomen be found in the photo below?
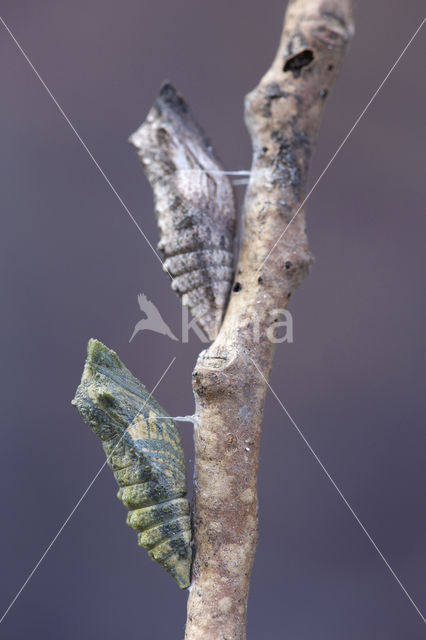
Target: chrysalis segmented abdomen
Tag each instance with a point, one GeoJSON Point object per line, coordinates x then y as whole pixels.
{"type": "Point", "coordinates": [144, 449]}
{"type": "Point", "coordinates": [194, 205]}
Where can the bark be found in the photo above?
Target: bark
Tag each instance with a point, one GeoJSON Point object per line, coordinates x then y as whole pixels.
{"type": "Point", "coordinates": [282, 114]}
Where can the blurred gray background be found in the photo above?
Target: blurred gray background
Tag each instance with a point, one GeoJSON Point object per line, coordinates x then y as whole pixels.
{"type": "Point", "coordinates": [73, 264]}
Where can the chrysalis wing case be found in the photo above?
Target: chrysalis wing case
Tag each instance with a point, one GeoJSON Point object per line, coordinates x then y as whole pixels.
{"type": "Point", "coordinates": [145, 454]}
{"type": "Point", "coordinates": [194, 205]}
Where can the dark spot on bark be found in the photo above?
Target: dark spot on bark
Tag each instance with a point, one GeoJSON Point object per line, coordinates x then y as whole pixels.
{"type": "Point", "coordinates": [286, 161]}
{"type": "Point", "coordinates": [284, 211]}
{"type": "Point", "coordinates": [298, 61]}
{"type": "Point", "coordinates": [301, 139]}
{"type": "Point", "coordinates": [230, 441]}
{"type": "Point", "coordinates": [264, 149]}
{"type": "Point", "coordinates": [260, 279]}
{"type": "Point", "coordinates": [330, 67]}
{"type": "Point", "coordinates": [288, 264]}
{"type": "Point", "coordinates": [273, 92]}
{"type": "Point", "coordinates": [289, 295]}
{"type": "Point", "coordinates": [237, 287]}
{"type": "Point", "coordinates": [266, 109]}
{"type": "Point", "coordinates": [324, 93]}
{"type": "Point", "coordinates": [240, 271]}
{"type": "Point", "coordinates": [222, 242]}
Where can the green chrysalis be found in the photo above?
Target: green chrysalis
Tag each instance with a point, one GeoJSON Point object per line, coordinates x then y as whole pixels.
{"type": "Point", "coordinates": [145, 454]}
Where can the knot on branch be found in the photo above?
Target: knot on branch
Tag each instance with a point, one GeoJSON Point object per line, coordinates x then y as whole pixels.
{"type": "Point", "coordinates": [297, 267]}
{"type": "Point", "coordinates": [219, 374]}
{"type": "Point", "coordinates": [329, 28]}
{"type": "Point", "coordinates": [214, 372]}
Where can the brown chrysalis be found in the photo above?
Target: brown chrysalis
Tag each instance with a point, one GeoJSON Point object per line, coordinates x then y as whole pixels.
{"type": "Point", "coordinates": [194, 205]}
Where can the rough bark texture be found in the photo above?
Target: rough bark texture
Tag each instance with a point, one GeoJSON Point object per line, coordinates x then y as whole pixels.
{"type": "Point", "coordinates": [282, 115]}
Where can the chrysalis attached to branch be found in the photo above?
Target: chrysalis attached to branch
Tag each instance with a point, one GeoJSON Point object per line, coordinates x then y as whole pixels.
{"type": "Point", "coordinates": [145, 454]}
{"type": "Point", "coordinates": [194, 205]}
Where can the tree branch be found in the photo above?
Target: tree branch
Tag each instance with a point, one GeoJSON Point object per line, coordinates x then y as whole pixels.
{"type": "Point", "coordinates": [282, 114]}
